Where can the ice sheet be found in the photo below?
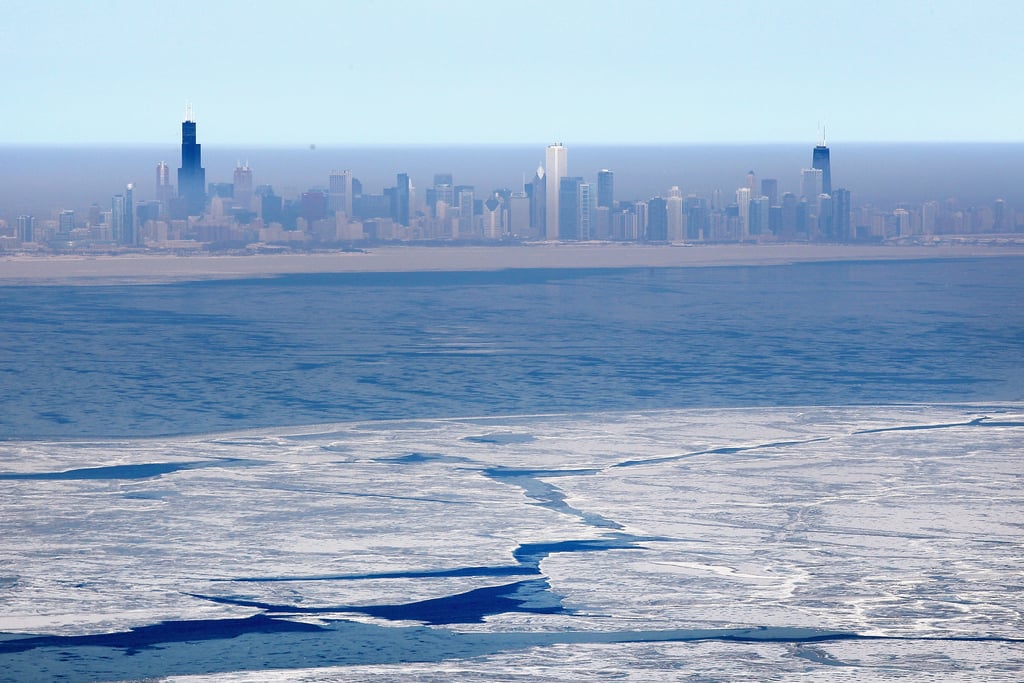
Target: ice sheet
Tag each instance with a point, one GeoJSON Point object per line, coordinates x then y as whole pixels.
{"type": "Point", "coordinates": [890, 537]}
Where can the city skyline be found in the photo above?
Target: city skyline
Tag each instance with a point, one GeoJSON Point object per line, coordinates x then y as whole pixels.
{"type": "Point", "coordinates": [553, 206]}
{"type": "Point", "coordinates": [461, 73]}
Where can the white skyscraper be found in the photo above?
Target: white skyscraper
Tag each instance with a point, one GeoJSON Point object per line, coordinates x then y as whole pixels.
{"type": "Point", "coordinates": [339, 192]}
{"type": "Point", "coordinates": [674, 205]}
{"type": "Point", "coordinates": [743, 203]}
{"type": "Point", "coordinates": [555, 168]}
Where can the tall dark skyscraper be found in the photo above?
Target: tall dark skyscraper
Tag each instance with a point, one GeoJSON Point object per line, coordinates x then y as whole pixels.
{"type": "Point", "coordinates": [657, 219]}
{"type": "Point", "coordinates": [820, 161]}
{"type": "Point", "coordinates": [569, 207]}
{"type": "Point", "coordinates": [770, 189]}
{"type": "Point", "coordinates": [191, 175]}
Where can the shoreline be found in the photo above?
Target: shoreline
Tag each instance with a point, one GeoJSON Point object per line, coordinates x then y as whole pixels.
{"type": "Point", "coordinates": [157, 268]}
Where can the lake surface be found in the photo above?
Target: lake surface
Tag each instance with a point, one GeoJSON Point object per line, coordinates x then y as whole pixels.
{"type": "Point", "coordinates": [654, 474]}
{"type": "Point", "coordinates": [204, 356]}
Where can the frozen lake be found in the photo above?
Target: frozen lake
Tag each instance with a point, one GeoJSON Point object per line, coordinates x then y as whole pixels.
{"type": "Point", "coordinates": [730, 473]}
{"type": "Point", "coordinates": [704, 544]}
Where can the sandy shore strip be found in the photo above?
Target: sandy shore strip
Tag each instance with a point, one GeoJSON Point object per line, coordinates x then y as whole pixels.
{"type": "Point", "coordinates": [144, 268]}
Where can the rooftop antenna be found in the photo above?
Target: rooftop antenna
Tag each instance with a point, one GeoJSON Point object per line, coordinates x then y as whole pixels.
{"type": "Point", "coordinates": [188, 111]}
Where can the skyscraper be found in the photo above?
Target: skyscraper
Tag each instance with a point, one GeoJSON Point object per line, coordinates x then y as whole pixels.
{"type": "Point", "coordinates": [243, 185]}
{"type": "Point", "coordinates": [339, 192]}
{"type": "Point", "coordinates": [752, 183]}
{"type": "Point", "coordinates": [743, 204]}
{"type": "Point", "coordinates": [164, 189]}
{"type": "Point", "coordinates": [674, 207]}
{"type": "Point", "coordinates": [841, 215]}
{"type": "Point", "coordinates": [587, 205]}
{"type": "Point", "coordinates": [657, 219]}
{"type": "Point", "coordinates": [555, 168]}
{"type": "Point", "coordinates": [539, 203]}
{"type": "Point", "coordinates": [65, 223]}
{"type": "Point", "coordinates": [26, 228]}
{"type": "Point", "coordinates": [121, 217]}
{"type": "Point", "coordinates": [465, 195]}
{"type": "Point", "coordinates": [605, 188]}
{"type": "Point", "coordinates": [403, 199]}
{"type": "Point", "coordinates": [568, 201]}
{"type": "Point", "coordinates": [811, 184]}
{"type": "Point", "coordinates": [820, 161]}
{"type": "Point", "coordinates": [770, 189]}
{"type": "Point", "coordinates": [759, 216]}
{"type": "Point", "coordinates": [191, 175]}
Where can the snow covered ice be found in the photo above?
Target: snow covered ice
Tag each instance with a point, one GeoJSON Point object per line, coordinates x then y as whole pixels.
{"type": "Point", "coordinates": [654, 545]}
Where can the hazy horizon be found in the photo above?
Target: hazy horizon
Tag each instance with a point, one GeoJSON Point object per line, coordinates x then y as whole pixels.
{"type": "Point", "coordinates": [43, 179]}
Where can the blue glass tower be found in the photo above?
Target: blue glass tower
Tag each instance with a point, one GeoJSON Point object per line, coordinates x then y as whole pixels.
{"type": "Point", "coordinates": [191, 175]}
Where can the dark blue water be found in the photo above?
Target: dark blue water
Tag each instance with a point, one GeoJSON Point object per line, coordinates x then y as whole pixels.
{"type": "Point", "coordinates": [193, 357]}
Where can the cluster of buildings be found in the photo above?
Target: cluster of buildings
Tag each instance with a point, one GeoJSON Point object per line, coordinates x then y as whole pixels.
{"type": "Point", "coordinates": [551, 206]}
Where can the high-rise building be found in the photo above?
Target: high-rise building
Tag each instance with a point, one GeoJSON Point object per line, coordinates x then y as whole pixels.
{"type": "Point", "coordinates": [752, 183]}
{"type": "Point", "coordinates": [606, 188]}
{"type": "Point", "coordinates": [789, 203]}
{"type": "Point", "coordinates": [465, 195]}
{"type": "Point", "coordinates": [759, 216]}
{"type": "Point", "coordinates": [121, 219]}
{"type": "Point", "coordinates": [770, 189]}
{"type": "Point", "coordinates": [674, 207]}
{"type": "Point", "coordinates": [313, 205]}
{"type": "Point", "coordinates": [657, 219]}
{"type": "Point", "coordinates": [841, 208]}
{"type": "Point", "coordinates": [403, 199]}
{"type": "Point", "coordinates": [568, 203]}
{"type": "Point", "coordinates": [243, 185]}
{"type": "Point", "coordinates": [191, 175]}
{"type": "Point", "coordinates": [443, 193]}
{"type": "Point", "coordinates": [810, 184]}
{"type": "Point", "coordinates": [65, 223]}
{"type": "Point", "coordinates": [587, 205]}
{"type": "Point", "coordinates": [555, 168]}
{"type": "Point", "coordinates": [26, 228]}
{"type": "Point", "coordinates": [538, 203]}
{"type": "Point", "coordinates": [820, 161]}
{"type": "Point", "coordinates": [518, 222]}
{"type": "Point", "coordinates": [339, 192]}
{"type": "Point", "coordinates": [698, 218]}
{"type": "Point", "coordinates": [743, 208]}
{"type": "Point", "coordinates": [929, 215]}
{"type": "Point", "coordinates": [164, 189]}
{"type": "Point", "coordinates": [999, 216]}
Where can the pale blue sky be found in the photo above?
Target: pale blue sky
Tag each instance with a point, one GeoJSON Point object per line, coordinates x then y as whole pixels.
{"type": "Point", "coordinates": [521, 71]}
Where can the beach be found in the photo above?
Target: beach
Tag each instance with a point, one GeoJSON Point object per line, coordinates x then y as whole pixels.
{"type": "Point", "coordinates": [407, 259]}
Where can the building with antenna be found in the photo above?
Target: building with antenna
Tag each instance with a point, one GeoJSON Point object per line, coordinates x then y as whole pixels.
{"type": "Point", "coordinates": [191, 175]}
{"type": "Point", "coordinates": [820, 161]}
